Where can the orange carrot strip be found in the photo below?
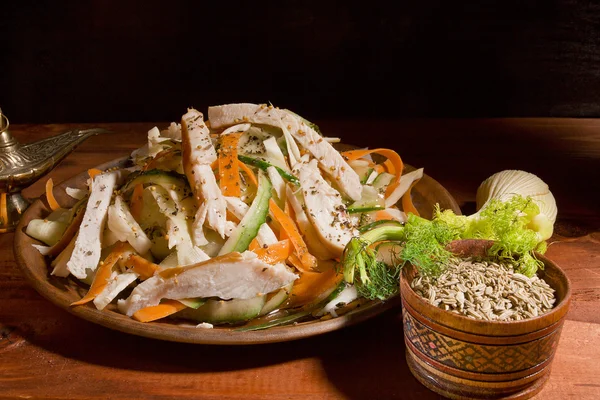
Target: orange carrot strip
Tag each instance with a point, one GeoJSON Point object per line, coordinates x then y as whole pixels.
{"type": "Point", "coordinates": [229, 171]}
{"type": "Point", "coordinates": [50, 195]}
{"type": "Point", "coordinates": [248, 172]}
{"type": "Point", "coordinates": [295, 261]}
{"type": "Point", "coordinates": [144, 268]}
{"type": "Point", "coordinates": [383, 215]}
{"type": "Point", "coordinates": [287, 224]}
{"type": "Point", "coordinates": [231, 217]}
{"type": "Point", "coordinates": [407, 204]}
{"type": "Point", "coordinates": [311, 285]}
{"type": "Point", "coordinates": [137, 201]}
{"type": "Point", "coordinates": [389, 166]}
{"type": "Point", "coordinates": [3, 210]}
{"type": "Point", "coordinates": [93, 172]}
{"type": "Point", "coordinates": [164, 309]}
{"type": "Point", "coordinates": [274, 253]}
{"type": "Point", "coordinates": [102, 275]}
{"type": "Point", "coordinates": [254, 245]}
{"type": "Point", "coordinates": [394, 161]}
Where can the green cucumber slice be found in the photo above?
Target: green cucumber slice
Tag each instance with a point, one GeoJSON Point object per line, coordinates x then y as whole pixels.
{"type": "Point", "coordinates": [248, 227]}
{"type": "Point", "coordinates": [276, 300]}
{"type": "Point", "coordinates": [382, 181]}
{"type": "Point", "coordinates": [383, 222]}
{"type": "Point", "coordinates": [263, 165]}
{"type": "Point", "coordinates": [193, 303]}
{"type": "Point", "coordinates": [389, 253]}
{"type": "Point", "coordinates": [225, 311]}
{"type": "Point", "coordinates": [369, 201]}
{"type": "Point", "coordinates": [166, 179]}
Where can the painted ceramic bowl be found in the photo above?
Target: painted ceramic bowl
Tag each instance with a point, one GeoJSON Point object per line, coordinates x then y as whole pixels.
{"type": "Point", "coordinates": [461, 357]}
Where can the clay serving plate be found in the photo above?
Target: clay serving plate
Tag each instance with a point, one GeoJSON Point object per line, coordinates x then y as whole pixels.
{"type": "Point", "coordinates": [64, 291]}
{"type": "Point", "coordinates": [464, 358]}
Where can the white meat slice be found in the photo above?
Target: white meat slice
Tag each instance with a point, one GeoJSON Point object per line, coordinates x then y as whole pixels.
{"type": "Point", "coordinates": [116, 284]}
{"type": "Point", "coordinates": [231, 276]}
{"type": "Point", "coordinates": [178, 229]}
{"type": "Point", "coordinates": [198, 154]}
{"type": "Point", "coordinates": [325, 209]}
{"type": "Point", "coordinates": [86, 253]}
{"type": "Point", "coordinates": [329, 159]}
{"type": "Point", "coordinates": [312, 239]}
{"type": "Point", "coordinates": [125, 227]}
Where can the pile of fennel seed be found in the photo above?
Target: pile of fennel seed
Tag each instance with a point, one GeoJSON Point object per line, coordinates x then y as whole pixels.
{"type": "Point", "coordinates": [487, 291]}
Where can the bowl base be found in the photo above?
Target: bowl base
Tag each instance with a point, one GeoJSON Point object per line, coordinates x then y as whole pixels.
{"type": "Point", "coordinates": [460, 388]}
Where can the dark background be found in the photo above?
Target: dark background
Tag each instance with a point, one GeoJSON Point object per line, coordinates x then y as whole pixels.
{"type": "Point", "coordinates": [92, 61]}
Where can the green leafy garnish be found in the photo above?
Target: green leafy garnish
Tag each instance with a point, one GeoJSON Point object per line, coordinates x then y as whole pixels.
{"type": "Point", "coordinates": [423, 244]}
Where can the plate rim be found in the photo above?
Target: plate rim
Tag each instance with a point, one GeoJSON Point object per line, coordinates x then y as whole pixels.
{"type": "Point", "coordinates": [183, 333]}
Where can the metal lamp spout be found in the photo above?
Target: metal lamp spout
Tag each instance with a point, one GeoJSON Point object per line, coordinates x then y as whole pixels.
{"type": "Point", "coordinates": [22, 165]}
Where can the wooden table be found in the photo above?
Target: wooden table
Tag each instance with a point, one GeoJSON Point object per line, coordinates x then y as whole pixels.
{"type": "Point", "coordinates": [46, 352]}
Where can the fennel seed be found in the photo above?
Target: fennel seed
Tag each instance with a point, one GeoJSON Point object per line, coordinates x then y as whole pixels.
{"type": "Point", "coordinates": [487, 291]}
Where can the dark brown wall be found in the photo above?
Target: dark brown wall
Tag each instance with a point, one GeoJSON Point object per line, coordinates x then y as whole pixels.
{"type": "Point", "coordinates": [125, 61]}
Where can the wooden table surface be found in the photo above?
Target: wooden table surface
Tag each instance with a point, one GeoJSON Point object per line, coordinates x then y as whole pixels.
{"type": "Point", "coordinates": [45, 352]}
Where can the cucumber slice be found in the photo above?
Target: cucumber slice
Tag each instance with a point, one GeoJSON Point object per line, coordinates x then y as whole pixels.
{"type": "Point", "coordinates": [248, 227]}
{"type": "Point", "coordinates": [166, 179]}
{"type": "Point", "coordinates": [263, 165]}
{"type": "Point", "coordinates": [193, 303]}
{"type": "Point", "coordinates": [289, 316]}
{"type": "Point", "coordinates": [273, 302]}
{"type": "Point", "coordinates": [383, 222]}
{"type": "Point", "coordinates": [382, 181]}
{"type": "Point", "coordinates": [362, 168]}
{"type": "Point", "coordinates": [46, 231]}
{"type": "Point", "coordinates": [225, 311]}
{"type": "Point", "coordinates": [389, 253]}
{"type": "Point", "coordinates": [369, 201]}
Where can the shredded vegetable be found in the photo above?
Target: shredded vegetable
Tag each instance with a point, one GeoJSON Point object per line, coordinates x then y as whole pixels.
{"type": "Point", "coordinates": [239, 216]}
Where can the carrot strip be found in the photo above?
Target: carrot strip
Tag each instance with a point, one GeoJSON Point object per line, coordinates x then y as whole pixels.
{"type": "Point", "coordinates": [393, 162]}
{"type": "Point", "coordinates": [383, 215]}
{"type": "Point", "coordinates": [137, 203]}
{"type": "Point", "coordinates": [164, 309]}
{"type": "Point", "coordinates": [288, 225]}
{"type": "Point", "coordinates": [93, 172]}
{"type": "Point", "coordinates": [407, 204]}
{"type": "Point", "coordinates": [312, 285]}
{"type": "Point", "coordinates": [229, 171]}
{"type": "Point", "coordinates": [295, 261]}
{"type": "Point", "coordinates": [274, 253]}
{"type": "Point", "coordinates": [3, 210]}
{"type": "Point", "coordinates": [254, 245]}
{"type": "Point", "coordinates": [102, 275]}
{"type": "Point", "coordinates": [144, 268]}
{"type": "Point", "coordinates": [50, 195]}
{"type": "Point", "coordinates": [249, 173]}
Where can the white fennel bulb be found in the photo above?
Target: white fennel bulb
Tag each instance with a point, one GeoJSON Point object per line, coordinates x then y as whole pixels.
{"type": "Point", "coordinates": [505, 184]}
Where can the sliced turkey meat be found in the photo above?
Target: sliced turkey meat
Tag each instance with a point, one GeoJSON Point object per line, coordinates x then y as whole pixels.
{"type": "Point", "coordinates": [231, 276]}
{"type": "Point", "coordinates": [330, 160]}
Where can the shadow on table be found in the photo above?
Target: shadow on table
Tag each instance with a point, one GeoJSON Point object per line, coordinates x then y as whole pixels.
{"type": "Point", "coordinates": [364, 361]}
{"type": "Point", "coordinates": [368, 361]}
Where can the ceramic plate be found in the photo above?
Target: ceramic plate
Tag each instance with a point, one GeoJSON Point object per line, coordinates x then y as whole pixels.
{"type": "Point", "coordinates": [64, 291]}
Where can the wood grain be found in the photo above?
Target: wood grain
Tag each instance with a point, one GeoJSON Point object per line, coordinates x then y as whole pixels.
{"type": "Point", "coordinates": [46, 352]}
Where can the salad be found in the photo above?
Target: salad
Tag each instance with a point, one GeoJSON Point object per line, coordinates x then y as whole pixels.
{"type": "Point", "coordinates": [226, 220]}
